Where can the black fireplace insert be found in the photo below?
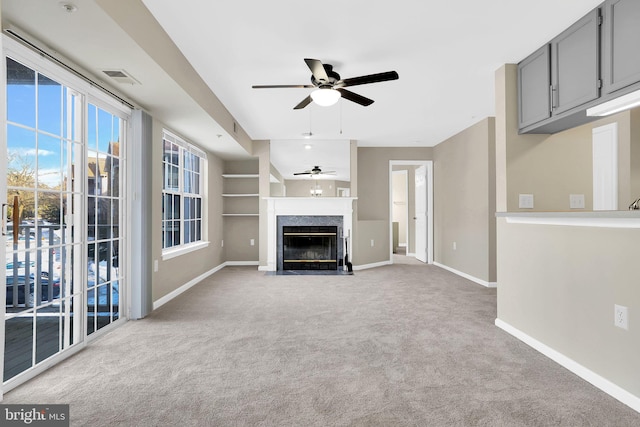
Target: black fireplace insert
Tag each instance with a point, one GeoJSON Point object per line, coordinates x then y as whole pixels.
{"type": "Point", "coordinates": [310, 247]}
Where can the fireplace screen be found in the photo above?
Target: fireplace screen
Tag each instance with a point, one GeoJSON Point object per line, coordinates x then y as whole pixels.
{"type": "Point", "coordinates": [310, 248]}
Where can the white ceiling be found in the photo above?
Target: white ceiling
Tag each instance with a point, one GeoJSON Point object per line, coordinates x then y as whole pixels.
{"type": "Point", "coordinates": [446, 54]}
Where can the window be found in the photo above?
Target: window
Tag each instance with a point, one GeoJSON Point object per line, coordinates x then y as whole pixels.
{"type": "Point", "coordinates": [183, 167]}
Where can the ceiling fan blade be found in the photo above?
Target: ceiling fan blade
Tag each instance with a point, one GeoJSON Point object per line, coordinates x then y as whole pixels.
{"type": "Point", "coordinates": [303, 103]}
{"type": "Point", "coordinates": [317, 69]}
{"type": "Point", "coordinates": [354, 97]}
{"type": "Point", "coordinates": [371, 78]}
{"type": "Point", "coordinates": [281, 86]}
{"type": "Point", "coordinates": [303, 173]}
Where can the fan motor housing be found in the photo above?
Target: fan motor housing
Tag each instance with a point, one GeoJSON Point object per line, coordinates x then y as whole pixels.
{"type": "Point", "coordinates": [333, 77]}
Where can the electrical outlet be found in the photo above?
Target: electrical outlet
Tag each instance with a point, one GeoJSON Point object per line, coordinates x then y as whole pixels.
{"type": "Point", "coordinates": [621, 317]}
{"type": "Point", "coordinates": [576, 201]}
{"type": "Point", "coordinates": [155, 265]}
{"type": "Point", "coordinates": [222, 243]}
{"type": "Point", "coordinates": [371, 242]}
{"type": "Point", "coordinates": [525, 201]}
{"type": "Point", "coordinates": [253, 242]}
{"type": "Point", "coordinates": [455, 246]}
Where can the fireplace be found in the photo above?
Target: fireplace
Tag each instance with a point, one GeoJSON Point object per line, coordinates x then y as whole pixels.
{"type": "Point", "coordinates": [309, 247]}
{"type": "Point", "coordinates": [309, 242]}
{"type": "Point", "coordinates": [306, 211]}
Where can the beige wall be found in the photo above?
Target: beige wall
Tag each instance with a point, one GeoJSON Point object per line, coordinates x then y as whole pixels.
{"type": "Point", "coordinates": [561, 286]}
{"type": "Point", "coordinates": [175, 272]}
{"type": "Point", "coordinates": [411, 205]}
{"type": "Point", "coordinates": [551, 167]}
{"type": "Point", "coordinates": [372, 190]}
{"type": "Point", "coordinates": [464, 201]}
{"type": "Point", "coordinates": [362, 252]}
{"type": "Point", "coordinates": [239, 231]}
{"type": "Point", "coordinates": [302, 187]}
{"type": "Point", "coordinates": [262, 150]}
{"type": "Point", "coordinates": [401, 204]}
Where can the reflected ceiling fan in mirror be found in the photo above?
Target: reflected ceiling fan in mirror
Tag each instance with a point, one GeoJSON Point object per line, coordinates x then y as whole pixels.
{"type": "Point", "coordinates": [330, 87]}
{"type": "Point", "coordinates": [315, 171]}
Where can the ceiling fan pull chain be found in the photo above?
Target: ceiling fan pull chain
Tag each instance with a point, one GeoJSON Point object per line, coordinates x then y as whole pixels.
{"type": "Point", "coordinates": [341, 117]}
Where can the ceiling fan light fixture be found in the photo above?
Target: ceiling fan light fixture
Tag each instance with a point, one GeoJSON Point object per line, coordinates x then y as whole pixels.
{"type": "Point", "coordinates": [325, 97]}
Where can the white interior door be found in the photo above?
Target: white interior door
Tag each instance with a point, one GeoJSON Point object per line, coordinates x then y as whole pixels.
{"type": "Point", "coordinates": [421, 213]}
{"type": "Point", "coordinates": [605, 167]}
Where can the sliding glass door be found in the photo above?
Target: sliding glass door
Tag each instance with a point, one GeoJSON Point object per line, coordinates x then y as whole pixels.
{"type": "Point", "coordinates": [63, 210]}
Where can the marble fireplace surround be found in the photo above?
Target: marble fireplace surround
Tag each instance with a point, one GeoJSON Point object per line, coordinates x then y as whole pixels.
{"type": "Point", "coordinates": [306, 211]}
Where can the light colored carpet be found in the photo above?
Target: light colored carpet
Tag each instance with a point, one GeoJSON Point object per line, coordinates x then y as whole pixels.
{"type": "Point", "coordinates": [405, 345]}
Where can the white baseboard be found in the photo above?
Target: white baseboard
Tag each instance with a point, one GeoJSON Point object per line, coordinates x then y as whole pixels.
{"type": "Point", "coordinates": [241, 263]}
{"type": "Point", "coordinates": [468, 276]}
{"type": "Point", "coordinates": [372, 265]}
{"type": "Point", "coordinates": [171, 295]}
{"type": "Point", "coordinates": [588, 375]}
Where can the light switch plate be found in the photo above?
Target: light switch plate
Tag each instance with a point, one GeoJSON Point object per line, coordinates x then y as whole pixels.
{"type": "Point", "coordinates": [576, 201]}
{"type": "Point", "coordinates": [525, 201]}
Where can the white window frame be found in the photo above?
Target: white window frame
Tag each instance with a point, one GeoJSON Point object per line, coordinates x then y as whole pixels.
{"type": "Point", "coordinates": [183, 248]}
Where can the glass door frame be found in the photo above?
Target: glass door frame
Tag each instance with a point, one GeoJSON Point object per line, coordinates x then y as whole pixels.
{"type": "Point", "coordinates": [88, 94]}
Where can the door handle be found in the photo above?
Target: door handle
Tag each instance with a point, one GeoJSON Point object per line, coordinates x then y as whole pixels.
{"type": "Point", "coordinates": [16, 218]}
{"type": "Point", "coordinates": [4, 219]}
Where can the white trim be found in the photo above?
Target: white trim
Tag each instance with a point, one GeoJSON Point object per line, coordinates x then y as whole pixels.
{"type": "Point", "coordinates": [41, 367]}
{"type": "Point", "coordinates": [263, 268]}
{"type": "Point", "coordinates": [468, 276]}
{"type": "Point", "coordinates": [585, 221]}
{"type": "Point", "coordinates": [586, 374]}
{"type": "Point", "coordinates": [372, 265]}
{"type": "Point", "coordinates": [175, 139]}
{"type": "Point", "coordinates": [429, 165]}
{"type": "Point", "coordinates": [191, 283]}
{"type": "Point", "coordinates": [181, 250]}
{"type": "Point", "coordinates": [240, 263]}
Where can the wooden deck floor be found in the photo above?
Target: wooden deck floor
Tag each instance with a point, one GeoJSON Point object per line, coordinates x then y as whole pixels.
{"type": "Point", "coordinates": [19, 338]}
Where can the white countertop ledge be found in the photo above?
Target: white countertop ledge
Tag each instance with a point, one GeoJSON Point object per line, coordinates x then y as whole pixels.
{"type": "Point", "coordinates": [603, 219]}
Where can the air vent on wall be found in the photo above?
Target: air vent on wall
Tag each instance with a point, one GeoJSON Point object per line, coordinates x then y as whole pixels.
{"type": "Point", "coordinates": [121, 76]}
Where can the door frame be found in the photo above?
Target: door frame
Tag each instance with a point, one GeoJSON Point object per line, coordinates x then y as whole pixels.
{"type": "Point", "coordinates": [88, 93]}
{"type": "Point", "coordinates": [417, 163]}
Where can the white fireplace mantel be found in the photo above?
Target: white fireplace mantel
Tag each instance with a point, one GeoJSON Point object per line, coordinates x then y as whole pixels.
{"type": "Point", "coordinates": [304, 206]}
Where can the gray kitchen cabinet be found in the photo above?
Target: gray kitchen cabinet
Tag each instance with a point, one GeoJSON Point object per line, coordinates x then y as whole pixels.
{"type": "Point", "coordinates": [534, 81]}
{"type": "Point", "coordinates": [621, 40]}
{"type": "Point", "coordinates": [575, 64]}
{"type": "Point", "coordinates": [560, 77]}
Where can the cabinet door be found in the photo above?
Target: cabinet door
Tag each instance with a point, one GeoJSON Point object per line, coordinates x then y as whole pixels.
{"type": "Point", "coordinates": [621, 39]}
{"type": "Point", "coordinates": [533, 88]}
{"type": "Point", "coordinates": [575, 64]}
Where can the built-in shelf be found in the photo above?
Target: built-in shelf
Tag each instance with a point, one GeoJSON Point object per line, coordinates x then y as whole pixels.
{"type": "Point", "coordinates": [239, 191]}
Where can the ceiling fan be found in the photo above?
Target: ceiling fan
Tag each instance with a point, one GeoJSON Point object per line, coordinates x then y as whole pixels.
{"type": "Point", "coordinates": [330, 87]}
{"type": "Point", "coordinates": [315, 171]}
